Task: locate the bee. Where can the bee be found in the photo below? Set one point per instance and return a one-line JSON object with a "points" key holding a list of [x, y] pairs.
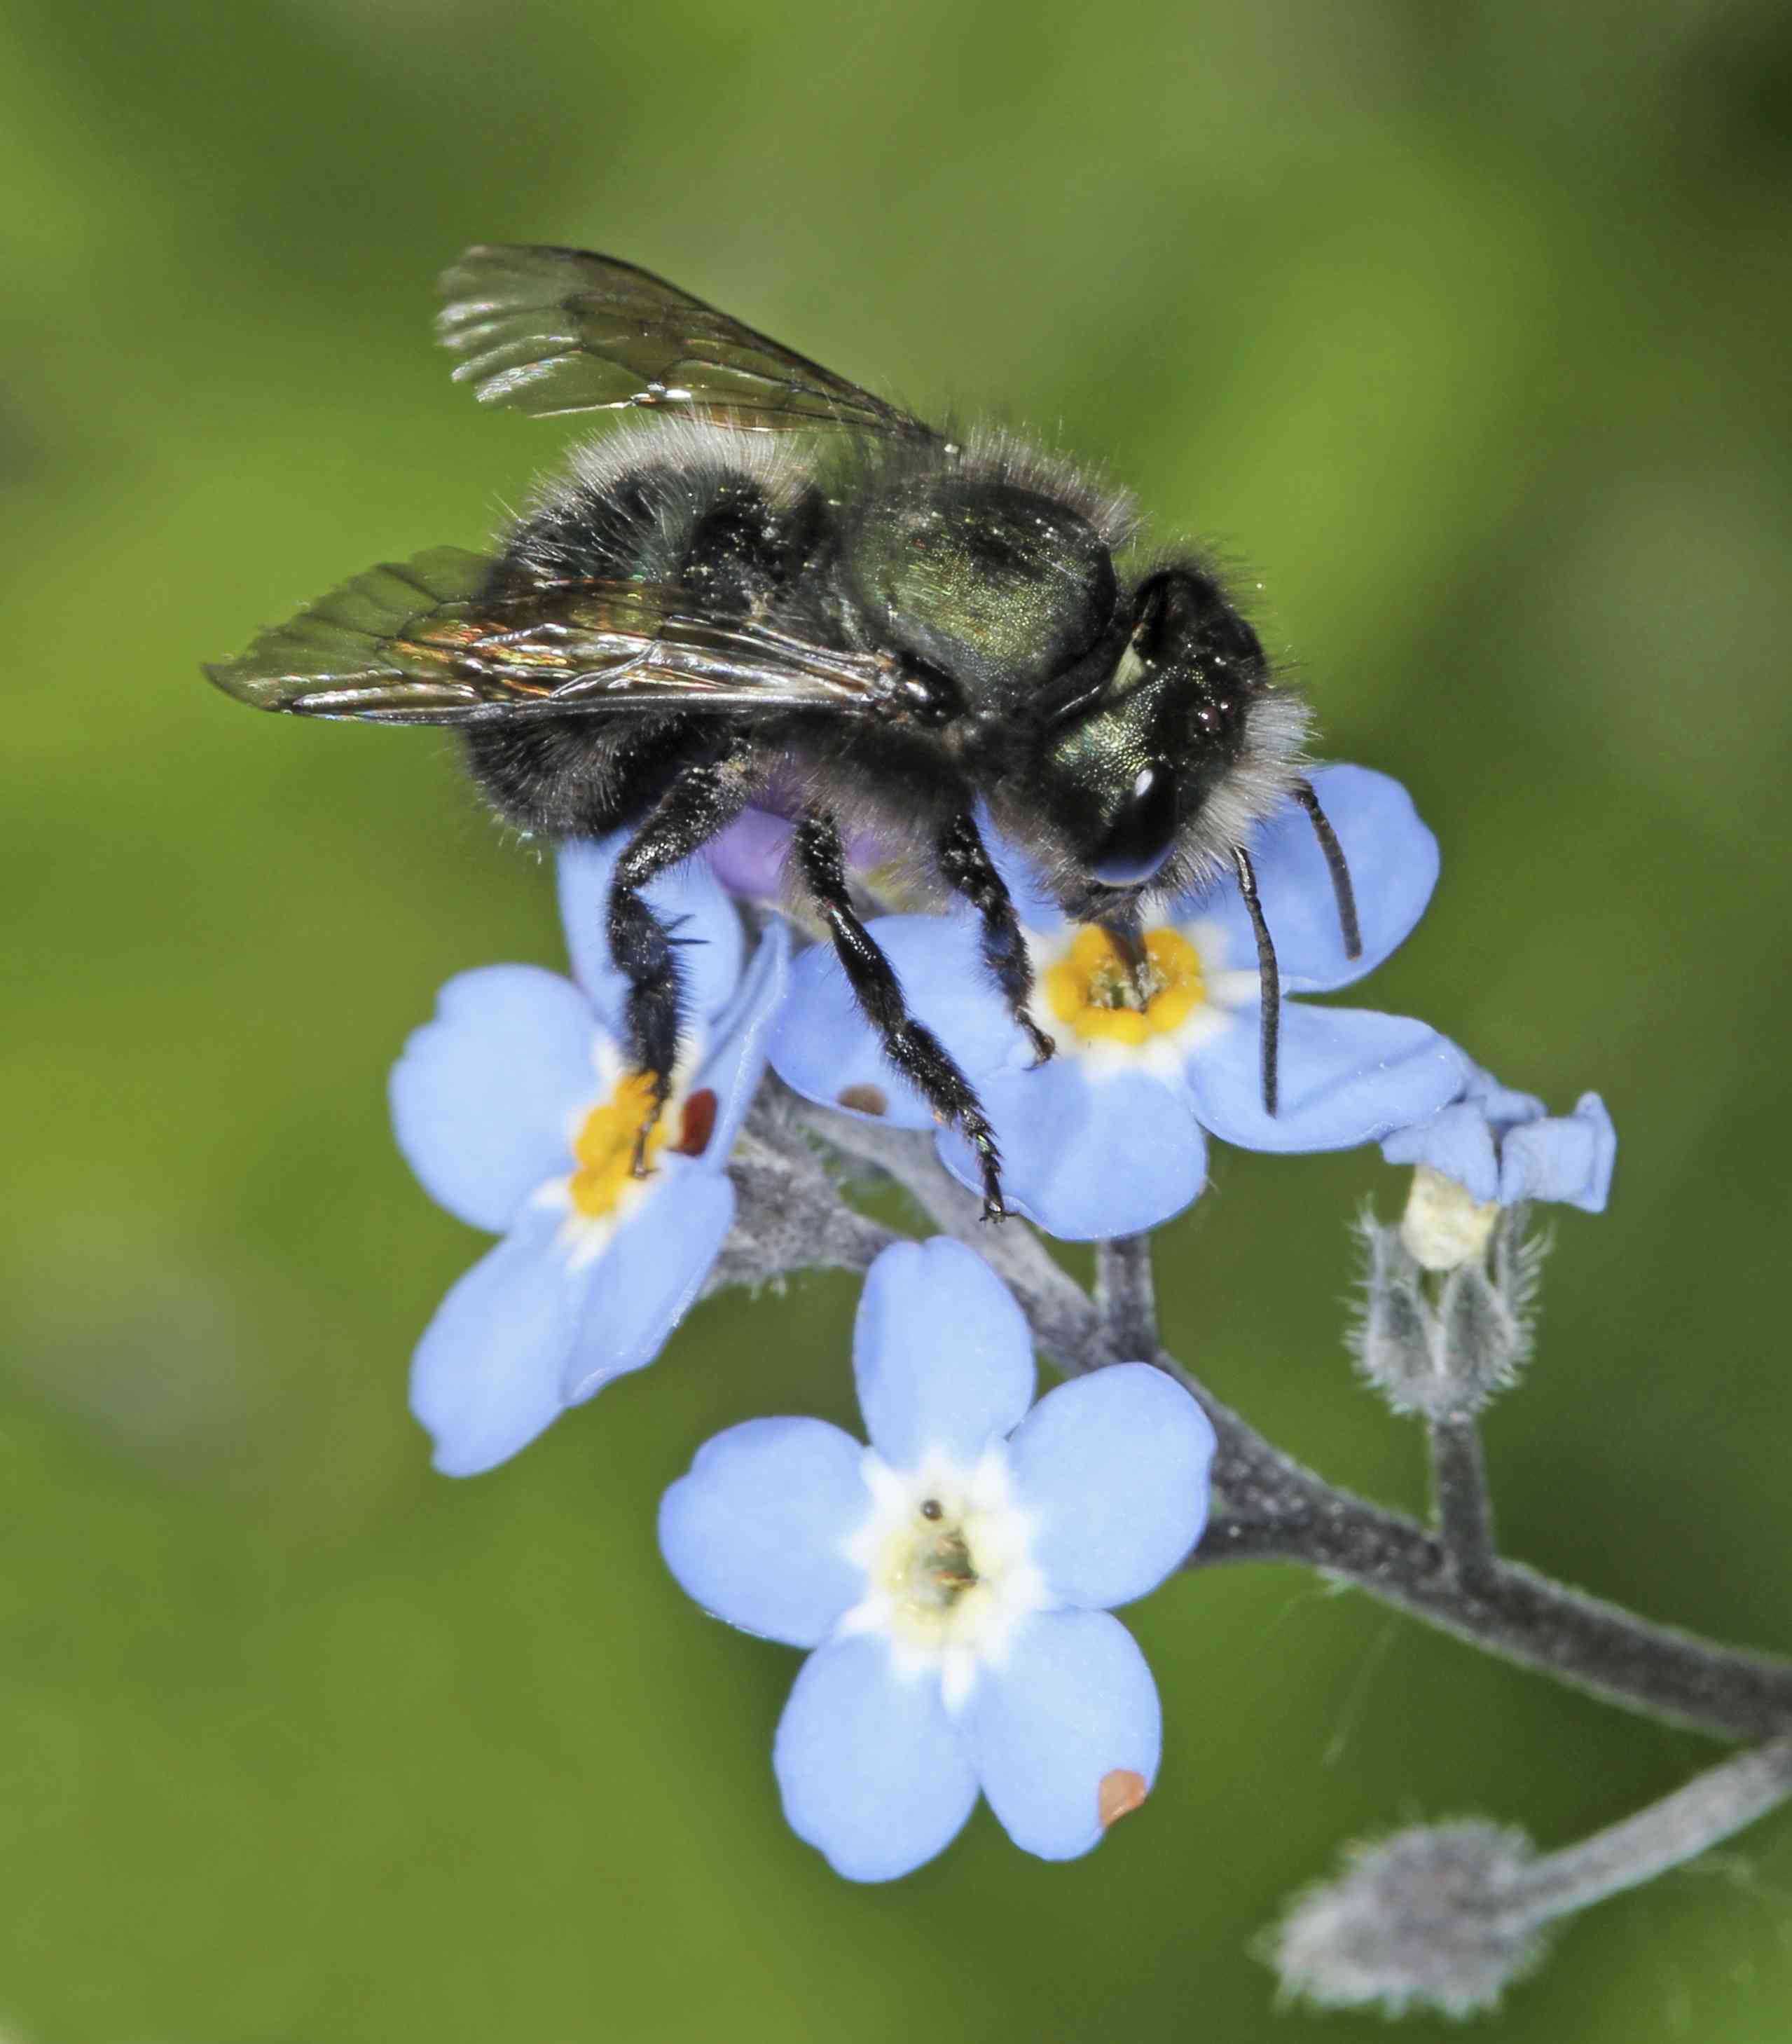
{"points": [[768, 584]]}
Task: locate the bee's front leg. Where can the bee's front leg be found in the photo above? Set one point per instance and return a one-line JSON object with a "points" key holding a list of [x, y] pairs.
{"points": [[701, 803]]}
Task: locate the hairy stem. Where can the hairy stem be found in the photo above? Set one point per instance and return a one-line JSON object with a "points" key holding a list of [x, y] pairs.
{"points": [[1712, 1807], [1459, 1503], [1126, 1296], [1056, 1303]]}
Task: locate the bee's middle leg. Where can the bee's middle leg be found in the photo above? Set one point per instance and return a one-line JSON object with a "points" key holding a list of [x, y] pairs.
{"points": [[966, 864], [701, 804], [911, 1045]]}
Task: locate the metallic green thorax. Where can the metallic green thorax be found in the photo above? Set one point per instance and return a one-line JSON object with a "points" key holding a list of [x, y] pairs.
{"points": [[990, 582]]}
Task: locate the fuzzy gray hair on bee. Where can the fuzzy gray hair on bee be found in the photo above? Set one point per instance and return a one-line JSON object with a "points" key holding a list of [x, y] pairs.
{"points": [[771, 583]]}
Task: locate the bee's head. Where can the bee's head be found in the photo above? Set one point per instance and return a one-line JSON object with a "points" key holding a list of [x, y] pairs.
{"points": [[1134, 762]]}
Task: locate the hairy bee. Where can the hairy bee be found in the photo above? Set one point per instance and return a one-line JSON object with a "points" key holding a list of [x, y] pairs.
{"points": [[772, 584]]}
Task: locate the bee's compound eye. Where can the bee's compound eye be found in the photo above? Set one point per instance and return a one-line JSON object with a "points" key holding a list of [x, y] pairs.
{"points": [[1139, 838]]}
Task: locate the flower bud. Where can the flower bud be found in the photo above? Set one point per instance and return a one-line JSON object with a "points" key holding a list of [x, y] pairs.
{"points": [[1438, 1343], [1426, 1919]]}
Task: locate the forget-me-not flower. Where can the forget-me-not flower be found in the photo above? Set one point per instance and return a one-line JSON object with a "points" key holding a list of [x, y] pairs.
{"points": [[516, 1110], [954, 1578], [1106, 1138]]}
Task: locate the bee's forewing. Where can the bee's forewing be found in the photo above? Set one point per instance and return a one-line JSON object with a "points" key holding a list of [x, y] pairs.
{"points": [[420, 642], [545, 330]]}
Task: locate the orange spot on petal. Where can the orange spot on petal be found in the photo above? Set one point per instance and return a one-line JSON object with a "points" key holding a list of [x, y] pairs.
{"points": [[1122, 1792], [866, 1099]]}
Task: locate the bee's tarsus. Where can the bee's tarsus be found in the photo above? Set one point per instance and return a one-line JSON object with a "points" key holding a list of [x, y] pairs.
{"points": [[1045, 1047]]}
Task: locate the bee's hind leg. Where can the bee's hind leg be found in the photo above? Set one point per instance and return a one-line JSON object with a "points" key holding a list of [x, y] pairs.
{"points": [[966, 865], [705, 798], [913, 1048]]}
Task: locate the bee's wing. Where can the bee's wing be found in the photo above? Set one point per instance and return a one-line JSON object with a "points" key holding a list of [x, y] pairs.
{"points": [[416, 642], [549, 330]]}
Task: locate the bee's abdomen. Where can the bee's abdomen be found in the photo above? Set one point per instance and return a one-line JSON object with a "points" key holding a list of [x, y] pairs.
{"points": [[734, 538]]}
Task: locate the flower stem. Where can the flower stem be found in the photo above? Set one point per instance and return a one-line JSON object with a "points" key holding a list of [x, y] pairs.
{"points": [[1126, 1296], [1712, 1807], [1056, 1303], [1460, 1505]]}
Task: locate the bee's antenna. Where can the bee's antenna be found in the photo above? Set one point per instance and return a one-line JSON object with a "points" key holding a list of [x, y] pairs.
{"points": [[1269, 978], [1346, 894]]}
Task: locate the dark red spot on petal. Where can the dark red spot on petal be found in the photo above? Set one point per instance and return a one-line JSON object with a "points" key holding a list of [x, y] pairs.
{"points": [[866, 1099], [697, 1124]]}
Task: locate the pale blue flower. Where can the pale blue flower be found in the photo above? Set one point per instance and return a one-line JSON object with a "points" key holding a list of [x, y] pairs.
{"points": [[954, 1578], [514, 1109]]}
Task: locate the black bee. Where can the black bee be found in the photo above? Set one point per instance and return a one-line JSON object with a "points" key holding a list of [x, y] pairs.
{"points": [[775, 585]]}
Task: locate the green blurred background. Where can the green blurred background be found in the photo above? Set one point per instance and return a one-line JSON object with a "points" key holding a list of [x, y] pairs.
{"points": [[1462, 328]]}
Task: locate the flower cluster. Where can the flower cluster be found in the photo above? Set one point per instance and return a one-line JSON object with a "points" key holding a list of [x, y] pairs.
{"points": [[953, 1580]]}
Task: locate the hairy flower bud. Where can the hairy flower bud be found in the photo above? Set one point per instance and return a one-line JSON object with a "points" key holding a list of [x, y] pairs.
{"points": [[1440, 1343], [1424, 1920]]}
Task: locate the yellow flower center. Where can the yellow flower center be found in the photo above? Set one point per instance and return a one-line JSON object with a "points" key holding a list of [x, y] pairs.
{"points": [[605, 1145], [1094, 989]]}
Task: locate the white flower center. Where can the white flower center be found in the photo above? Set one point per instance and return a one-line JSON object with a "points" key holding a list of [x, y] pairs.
{"points": [[948, 1561]]}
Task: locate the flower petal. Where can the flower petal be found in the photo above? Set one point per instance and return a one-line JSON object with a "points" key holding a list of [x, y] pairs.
{"points": [[1113, 1468], [1073, 1705], [756, 1532], [648, 1275], [872, 1772], [743, 1029], [689, 900], [1568, 1157], [484, 1097], [1456, 1141], [485, 1378], [1088, 1155], [1504, 1109], [1393, 862], [1347, 1075], [942, 1353], [824, 1046]]}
